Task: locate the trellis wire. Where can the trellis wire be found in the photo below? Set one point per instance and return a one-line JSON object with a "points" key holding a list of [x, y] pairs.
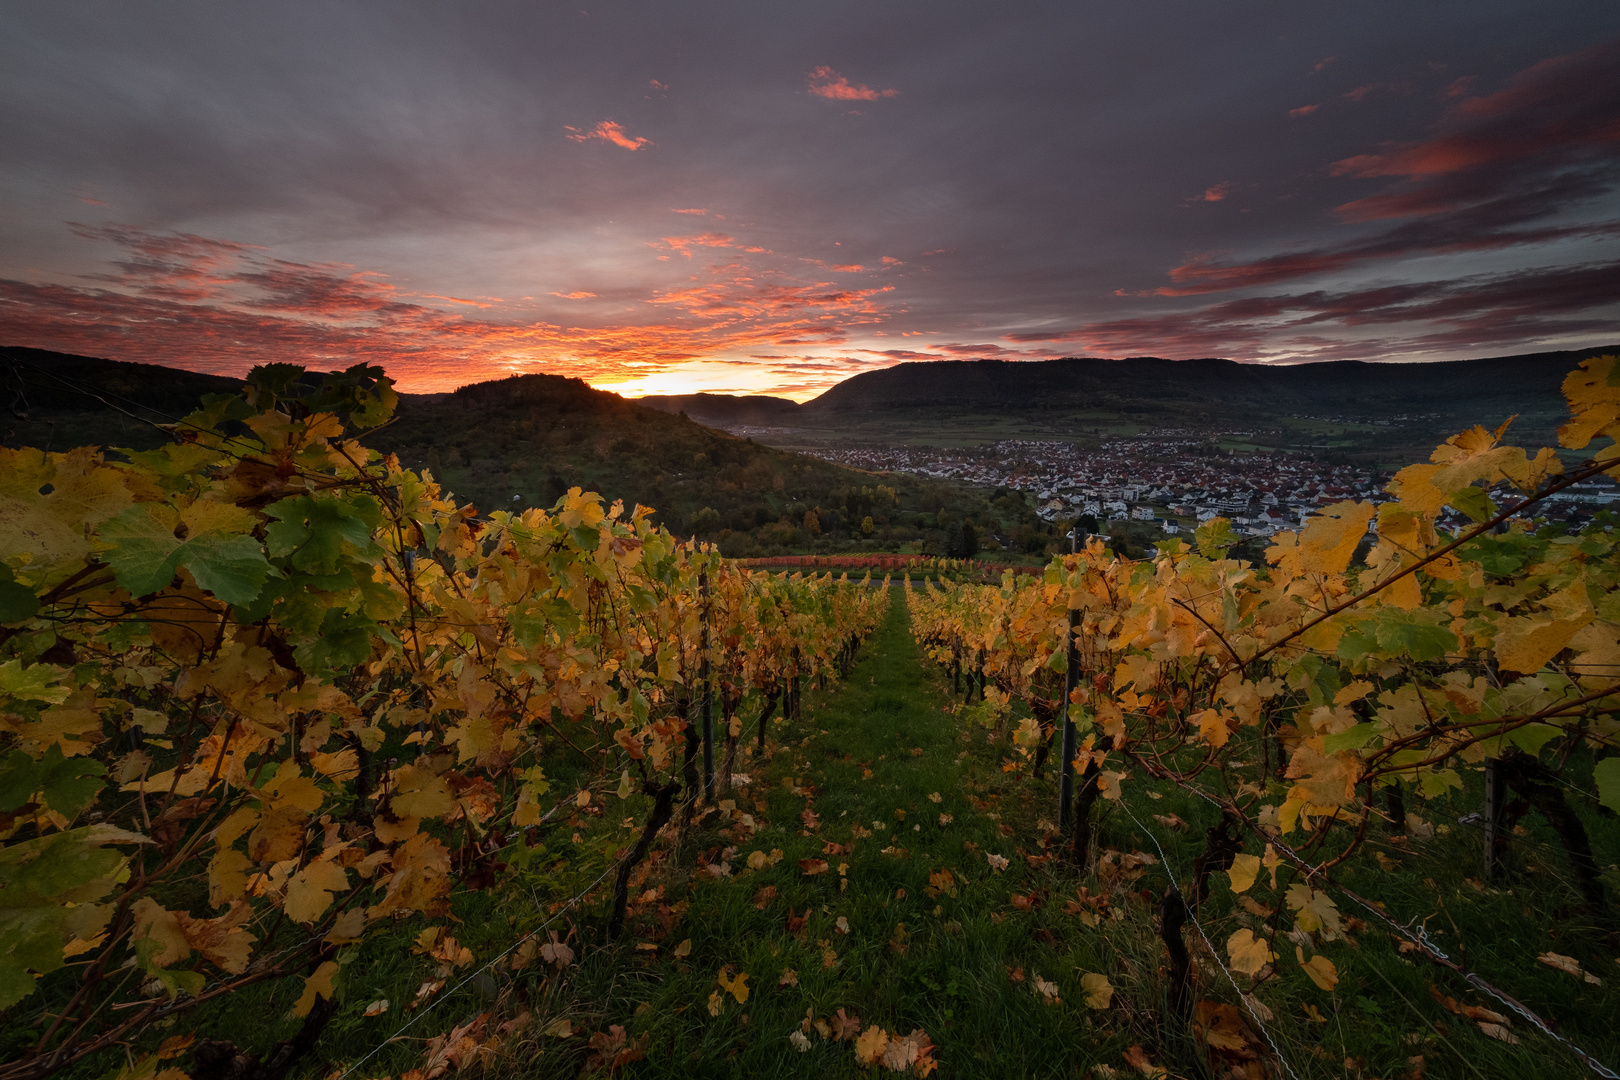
{"points": [[1200, 928], [486, 966], [1420, 937]]}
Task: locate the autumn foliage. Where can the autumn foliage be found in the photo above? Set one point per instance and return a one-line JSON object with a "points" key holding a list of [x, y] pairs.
{"points": [[1295, 696], [262, 691]]}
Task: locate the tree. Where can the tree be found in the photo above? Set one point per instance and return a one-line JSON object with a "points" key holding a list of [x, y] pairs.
{"points": [[970, 540], [706, 520]]}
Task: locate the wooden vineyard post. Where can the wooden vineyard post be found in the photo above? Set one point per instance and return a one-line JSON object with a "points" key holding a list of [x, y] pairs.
{"points": [[1066, 766], [708, 697], [1493, 814]]}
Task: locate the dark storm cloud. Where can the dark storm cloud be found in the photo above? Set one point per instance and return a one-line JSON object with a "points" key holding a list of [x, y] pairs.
{"points": [[468, 188]]}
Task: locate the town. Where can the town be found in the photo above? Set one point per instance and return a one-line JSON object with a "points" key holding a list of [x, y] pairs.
{"points": [[1175, 480]]}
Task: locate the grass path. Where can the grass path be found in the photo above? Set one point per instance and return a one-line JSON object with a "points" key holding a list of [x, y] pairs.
{"points": [[886, 773]]}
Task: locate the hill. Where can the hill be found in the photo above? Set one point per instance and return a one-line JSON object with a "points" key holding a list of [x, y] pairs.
{"points": [[1383, 410], [525, 440], [726, 410]]}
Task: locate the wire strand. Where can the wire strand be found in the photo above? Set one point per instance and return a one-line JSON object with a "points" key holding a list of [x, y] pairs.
{"points": [[1200, 928], [485, 967]]}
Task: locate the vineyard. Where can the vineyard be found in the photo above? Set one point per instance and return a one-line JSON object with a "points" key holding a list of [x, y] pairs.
{"points": [[310, 771]]}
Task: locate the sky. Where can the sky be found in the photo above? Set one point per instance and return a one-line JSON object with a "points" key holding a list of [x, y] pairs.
{"points": [[771, 197]]}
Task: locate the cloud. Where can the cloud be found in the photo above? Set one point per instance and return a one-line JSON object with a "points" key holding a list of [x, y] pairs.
{"points": [[1494, 172], [827, 83], [1487, 311], [609, 131], [220, 306], [1216, 193], [685, 244], [1302, 112]]}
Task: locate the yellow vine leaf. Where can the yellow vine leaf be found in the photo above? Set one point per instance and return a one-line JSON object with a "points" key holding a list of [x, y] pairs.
{"points": [[1212, 727], [1247, 953], [1244, 869], [160, 926], [1313, 910], [309, 891], [1326, 543], [317, 985], [227, 876], [1525, 644], [420, 793], [1593, 392], [55, 529], [1319, 968], [278, 836]]}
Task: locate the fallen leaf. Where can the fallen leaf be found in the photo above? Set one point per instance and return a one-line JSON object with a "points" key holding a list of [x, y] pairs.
{"points": [[1222, 1027], [1319, 968], [789, 978], [1048, 991], [997, 862], [1136, 1059], [813, 866], [842, 925], [735, 986], [377, 1008], [844, 1026], [763, 898], [1497, 1031], [1563, 963], [800, 1041], [1248, 953], [684, 949], [1099, 992], [870, 1046]]}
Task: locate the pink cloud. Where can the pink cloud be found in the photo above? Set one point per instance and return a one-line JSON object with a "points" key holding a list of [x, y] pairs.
{"points": [[219, 306], [609, 131], [1302, 111], [575, 295], [827, 83]]}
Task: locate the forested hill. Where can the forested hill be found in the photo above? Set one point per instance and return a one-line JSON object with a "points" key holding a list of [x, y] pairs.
{"points": [[726, 410], [523, 441]]}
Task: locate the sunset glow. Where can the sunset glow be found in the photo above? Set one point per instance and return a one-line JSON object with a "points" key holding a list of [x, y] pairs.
{"points": [[775, 218]]}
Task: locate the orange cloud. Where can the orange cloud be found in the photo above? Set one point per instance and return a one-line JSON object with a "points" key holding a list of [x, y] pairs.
{"points": [[1218, 192], [1302, 111], [685, 244], [218, 306], [608, 131], [827, 83], [575, 295]]}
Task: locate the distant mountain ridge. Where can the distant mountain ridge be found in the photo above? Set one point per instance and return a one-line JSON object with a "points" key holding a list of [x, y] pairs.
{"points": [[725, 410], [1158, 385]]}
